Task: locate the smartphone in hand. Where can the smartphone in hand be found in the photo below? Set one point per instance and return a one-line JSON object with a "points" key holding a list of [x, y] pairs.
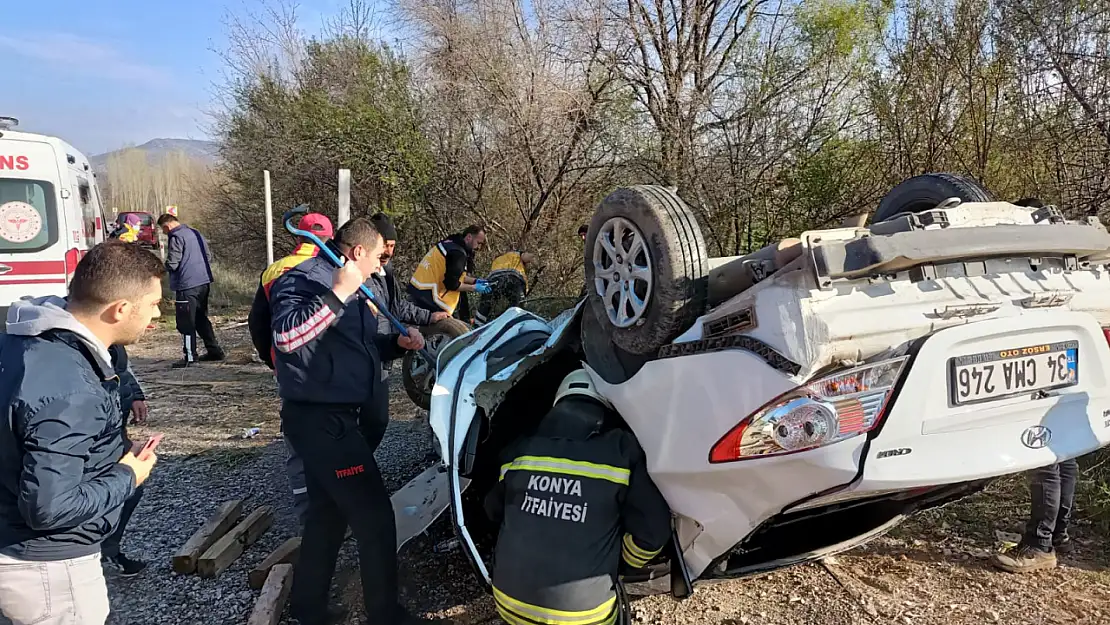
{"points": [[150, 445]]}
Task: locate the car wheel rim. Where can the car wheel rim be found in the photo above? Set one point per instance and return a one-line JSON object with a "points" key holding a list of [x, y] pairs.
{"points": [[420, 370], [622, 271]]}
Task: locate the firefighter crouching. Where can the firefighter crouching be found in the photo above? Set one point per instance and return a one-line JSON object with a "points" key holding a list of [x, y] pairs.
{"points": [[442, 276], [574, 500], [508, 281]]}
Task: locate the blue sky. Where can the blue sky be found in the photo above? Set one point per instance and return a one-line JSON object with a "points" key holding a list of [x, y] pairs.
{"points": [[105, 73]]}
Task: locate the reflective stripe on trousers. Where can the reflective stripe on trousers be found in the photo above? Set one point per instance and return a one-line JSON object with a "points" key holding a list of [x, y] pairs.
{"points": [[517, 612], [547, 464]]}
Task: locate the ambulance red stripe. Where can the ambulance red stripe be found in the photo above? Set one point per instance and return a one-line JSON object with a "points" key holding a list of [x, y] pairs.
{"points": [[32, 267]]}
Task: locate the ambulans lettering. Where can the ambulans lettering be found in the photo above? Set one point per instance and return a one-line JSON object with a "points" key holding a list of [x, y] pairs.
{"points": [[555, 484], [552, 509], [18, 163]]}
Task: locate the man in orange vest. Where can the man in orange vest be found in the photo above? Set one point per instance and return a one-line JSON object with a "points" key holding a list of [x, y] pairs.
{"points": [[262, 336]]}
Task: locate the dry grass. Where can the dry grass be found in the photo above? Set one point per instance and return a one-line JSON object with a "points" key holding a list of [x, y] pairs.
{"points": [[232, 292], [234, 287]]}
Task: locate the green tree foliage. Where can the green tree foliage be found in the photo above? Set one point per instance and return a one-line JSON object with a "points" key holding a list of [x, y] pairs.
{"points": [[769, 116], [348, 105]]}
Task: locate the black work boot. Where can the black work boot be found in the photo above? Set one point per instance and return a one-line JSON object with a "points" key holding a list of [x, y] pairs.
{"points": [[181, 364], [332, 615], [213, 354], [1062, 544], [122, 565]]}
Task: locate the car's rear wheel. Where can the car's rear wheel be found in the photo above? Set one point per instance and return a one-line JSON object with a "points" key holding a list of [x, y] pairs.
{"points": [[418, 375], [925, 192], [646, 267]]}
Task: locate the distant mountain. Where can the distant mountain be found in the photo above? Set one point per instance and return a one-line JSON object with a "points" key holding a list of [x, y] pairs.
{"points": [[158, 148]]}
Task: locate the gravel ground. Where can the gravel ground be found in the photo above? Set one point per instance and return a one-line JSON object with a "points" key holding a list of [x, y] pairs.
{"points": [[932, 570]]}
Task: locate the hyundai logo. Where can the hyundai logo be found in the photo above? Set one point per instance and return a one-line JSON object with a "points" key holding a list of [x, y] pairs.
{"points": [[1036, 437]]}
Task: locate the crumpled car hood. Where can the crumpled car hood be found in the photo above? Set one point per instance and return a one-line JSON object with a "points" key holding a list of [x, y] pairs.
{"points": [[462, 384]]}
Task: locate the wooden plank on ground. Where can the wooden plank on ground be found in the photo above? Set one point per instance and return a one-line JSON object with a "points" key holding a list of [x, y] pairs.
{"points": [[225, 517], [420, 502], [267, 610], [285, 554], [220, 555]]}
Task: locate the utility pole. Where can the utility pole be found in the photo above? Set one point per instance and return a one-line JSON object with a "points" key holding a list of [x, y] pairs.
{"points": [[269, 220], [344, 196]]}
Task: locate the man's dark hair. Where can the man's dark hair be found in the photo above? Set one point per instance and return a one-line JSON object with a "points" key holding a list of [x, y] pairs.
{"points": [[473, 229], [358, 231], [166, 218], [1031, 202], [112, 271], [583, 229]]}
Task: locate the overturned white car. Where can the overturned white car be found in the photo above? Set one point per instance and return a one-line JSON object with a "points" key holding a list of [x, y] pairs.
{"points": [[806, 398]]}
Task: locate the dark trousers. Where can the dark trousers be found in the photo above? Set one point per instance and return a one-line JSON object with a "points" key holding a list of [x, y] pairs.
{"points": [[1052, 491], [192, 320], [110, 547], [345, 488]]}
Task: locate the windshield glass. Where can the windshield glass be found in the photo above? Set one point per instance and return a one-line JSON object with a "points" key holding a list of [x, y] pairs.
{"points": [[27, 215]]}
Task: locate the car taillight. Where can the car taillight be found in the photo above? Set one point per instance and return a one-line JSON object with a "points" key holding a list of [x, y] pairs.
{"points": [[1106, 333], [825, 410]]}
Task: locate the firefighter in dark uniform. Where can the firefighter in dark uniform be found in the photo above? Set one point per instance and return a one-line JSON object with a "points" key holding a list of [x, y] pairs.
{"points": [[574, 501], [445, 274], [508, 281], [327, 356]]}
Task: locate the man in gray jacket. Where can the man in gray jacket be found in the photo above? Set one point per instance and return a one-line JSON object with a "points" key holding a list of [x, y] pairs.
{"points": [[190, 269]]}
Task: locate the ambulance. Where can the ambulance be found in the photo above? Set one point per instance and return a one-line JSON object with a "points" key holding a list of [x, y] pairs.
{"points": [[50, 213]]}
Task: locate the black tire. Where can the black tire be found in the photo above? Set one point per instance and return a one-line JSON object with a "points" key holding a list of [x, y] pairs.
{"points": [[678, 263], [612, 363], [441, 333], [924, 192]]}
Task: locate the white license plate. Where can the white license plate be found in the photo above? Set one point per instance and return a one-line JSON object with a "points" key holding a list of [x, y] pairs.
{"points": [[994, 375]]}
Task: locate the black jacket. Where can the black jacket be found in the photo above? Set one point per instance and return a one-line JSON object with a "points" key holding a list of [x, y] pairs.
{"points": [[326, 351], [130, 391], [61, 486], [572, 504], [259, 322], [384, 286]]}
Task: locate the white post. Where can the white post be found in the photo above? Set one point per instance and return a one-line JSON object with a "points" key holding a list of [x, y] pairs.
{"points": [[269, 220], [344, 196]]}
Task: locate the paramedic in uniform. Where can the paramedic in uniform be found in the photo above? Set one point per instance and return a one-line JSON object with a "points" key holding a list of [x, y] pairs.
{"points": [[328, 354], [259, 322], [574, 501], [439, 279], [508, 281]]}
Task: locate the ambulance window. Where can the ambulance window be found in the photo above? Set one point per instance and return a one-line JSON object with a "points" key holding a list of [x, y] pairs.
{"points": [[27, 215], [88, 211]]}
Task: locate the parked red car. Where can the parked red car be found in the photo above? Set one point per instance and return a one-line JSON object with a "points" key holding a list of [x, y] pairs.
{"points": [[148, 234]]}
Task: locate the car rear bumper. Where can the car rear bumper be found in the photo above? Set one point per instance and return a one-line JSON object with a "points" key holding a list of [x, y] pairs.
{"points": [[926, 440]]}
